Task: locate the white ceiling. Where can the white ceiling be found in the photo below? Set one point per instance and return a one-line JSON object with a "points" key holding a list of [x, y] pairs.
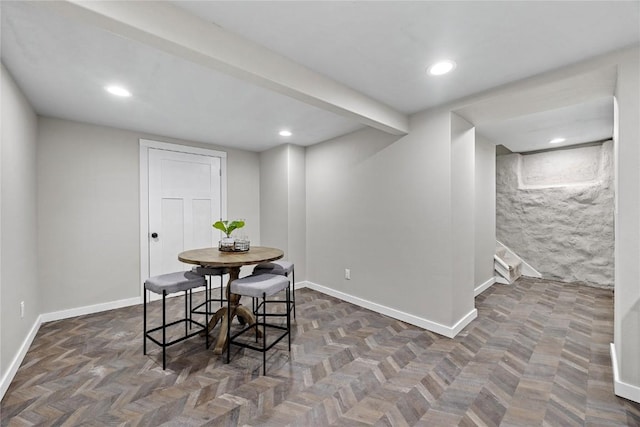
{"points": [[380, 49], [579, 123]]}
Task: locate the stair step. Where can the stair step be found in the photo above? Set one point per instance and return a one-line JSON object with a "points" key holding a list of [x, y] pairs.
{"points": [[507, 266], [501, 270], [514, 263], [509, 277]]}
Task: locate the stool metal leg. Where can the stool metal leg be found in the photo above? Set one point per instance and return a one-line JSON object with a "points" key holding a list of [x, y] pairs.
{"points": [[187, 312], [293, 285], [144, 323], [164, 330], [257, 321], [289, 315], [206, 322], [264, 334]]}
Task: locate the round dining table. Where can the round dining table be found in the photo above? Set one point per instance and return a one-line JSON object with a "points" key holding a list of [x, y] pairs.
{"points": [[213, 257]]}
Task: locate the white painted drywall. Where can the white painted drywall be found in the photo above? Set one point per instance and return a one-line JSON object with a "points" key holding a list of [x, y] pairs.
{"points": [[88, 213], [297, 251], [555, 210], [88, 202], [18, 232], [485, 209], [380, 206], [627, 232], [243, 189], [274, 198], [463, 204], [282, 203]]}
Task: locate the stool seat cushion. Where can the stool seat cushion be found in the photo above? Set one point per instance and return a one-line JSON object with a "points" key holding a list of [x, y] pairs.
{"points": [[210, 271], [274, 267], [174, 282], [257, 286]]}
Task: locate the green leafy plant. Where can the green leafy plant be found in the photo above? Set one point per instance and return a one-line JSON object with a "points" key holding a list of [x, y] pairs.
{"points": [[228, 226]]}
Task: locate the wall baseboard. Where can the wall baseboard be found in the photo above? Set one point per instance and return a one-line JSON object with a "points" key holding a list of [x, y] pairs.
{"points": [[447, 331], [483, 287], [89, 309], [620, 388], [17, 360]]}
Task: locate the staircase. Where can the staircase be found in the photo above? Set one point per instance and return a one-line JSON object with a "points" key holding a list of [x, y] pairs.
{"points": [[507, 266]]}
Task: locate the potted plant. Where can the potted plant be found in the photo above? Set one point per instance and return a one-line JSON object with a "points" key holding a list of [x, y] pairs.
{"points": [[227, 227]]}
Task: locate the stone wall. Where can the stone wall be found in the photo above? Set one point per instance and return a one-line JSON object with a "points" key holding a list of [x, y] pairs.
{"points": [[555, 210]]}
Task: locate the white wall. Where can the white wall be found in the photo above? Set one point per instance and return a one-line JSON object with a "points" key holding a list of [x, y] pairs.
{"points": [[274, 198], [485, 210], [463, 204], [627, 238], [18, 232], [297, 211], [380, 206], [243, 189], [282, 203], [88, 216]]}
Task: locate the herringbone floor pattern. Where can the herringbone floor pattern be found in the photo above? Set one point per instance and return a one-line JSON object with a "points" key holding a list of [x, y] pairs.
{"points": [[537, 355]]}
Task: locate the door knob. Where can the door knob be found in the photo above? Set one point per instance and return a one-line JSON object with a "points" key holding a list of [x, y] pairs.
{"points": [[154, 235]]}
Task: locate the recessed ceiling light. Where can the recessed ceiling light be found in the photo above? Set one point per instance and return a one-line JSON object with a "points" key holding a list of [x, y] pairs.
{"points": [[442, 67], [557, 140], [285, 133], [118, 91]]}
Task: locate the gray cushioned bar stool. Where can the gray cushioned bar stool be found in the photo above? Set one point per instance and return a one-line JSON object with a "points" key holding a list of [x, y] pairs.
{"points": [[260, 286], [282, 268], [210, 272], [164, 285]]}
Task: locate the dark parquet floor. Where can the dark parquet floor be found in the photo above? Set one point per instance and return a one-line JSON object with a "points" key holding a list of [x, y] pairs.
{"points": [[537, 355]]}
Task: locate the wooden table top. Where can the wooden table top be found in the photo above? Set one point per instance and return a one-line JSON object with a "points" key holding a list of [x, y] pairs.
{"points": [[212, 257]]}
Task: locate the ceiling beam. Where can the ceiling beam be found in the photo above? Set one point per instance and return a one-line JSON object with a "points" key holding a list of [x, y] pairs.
{"points": [[549, 91], [177, 32]]}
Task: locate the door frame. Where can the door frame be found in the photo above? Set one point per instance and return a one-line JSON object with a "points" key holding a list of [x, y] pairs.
{"points": [[145, 146]]}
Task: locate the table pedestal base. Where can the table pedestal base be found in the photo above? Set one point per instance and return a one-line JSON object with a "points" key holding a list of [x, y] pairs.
{"points": [[236, 310]]}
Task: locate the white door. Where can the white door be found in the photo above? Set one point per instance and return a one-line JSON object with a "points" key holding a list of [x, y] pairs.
{"points": [[184, 200]]}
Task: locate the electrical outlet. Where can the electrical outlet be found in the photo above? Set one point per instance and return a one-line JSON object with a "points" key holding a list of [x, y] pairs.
{"points": [[21, 309], [347, 274]]}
